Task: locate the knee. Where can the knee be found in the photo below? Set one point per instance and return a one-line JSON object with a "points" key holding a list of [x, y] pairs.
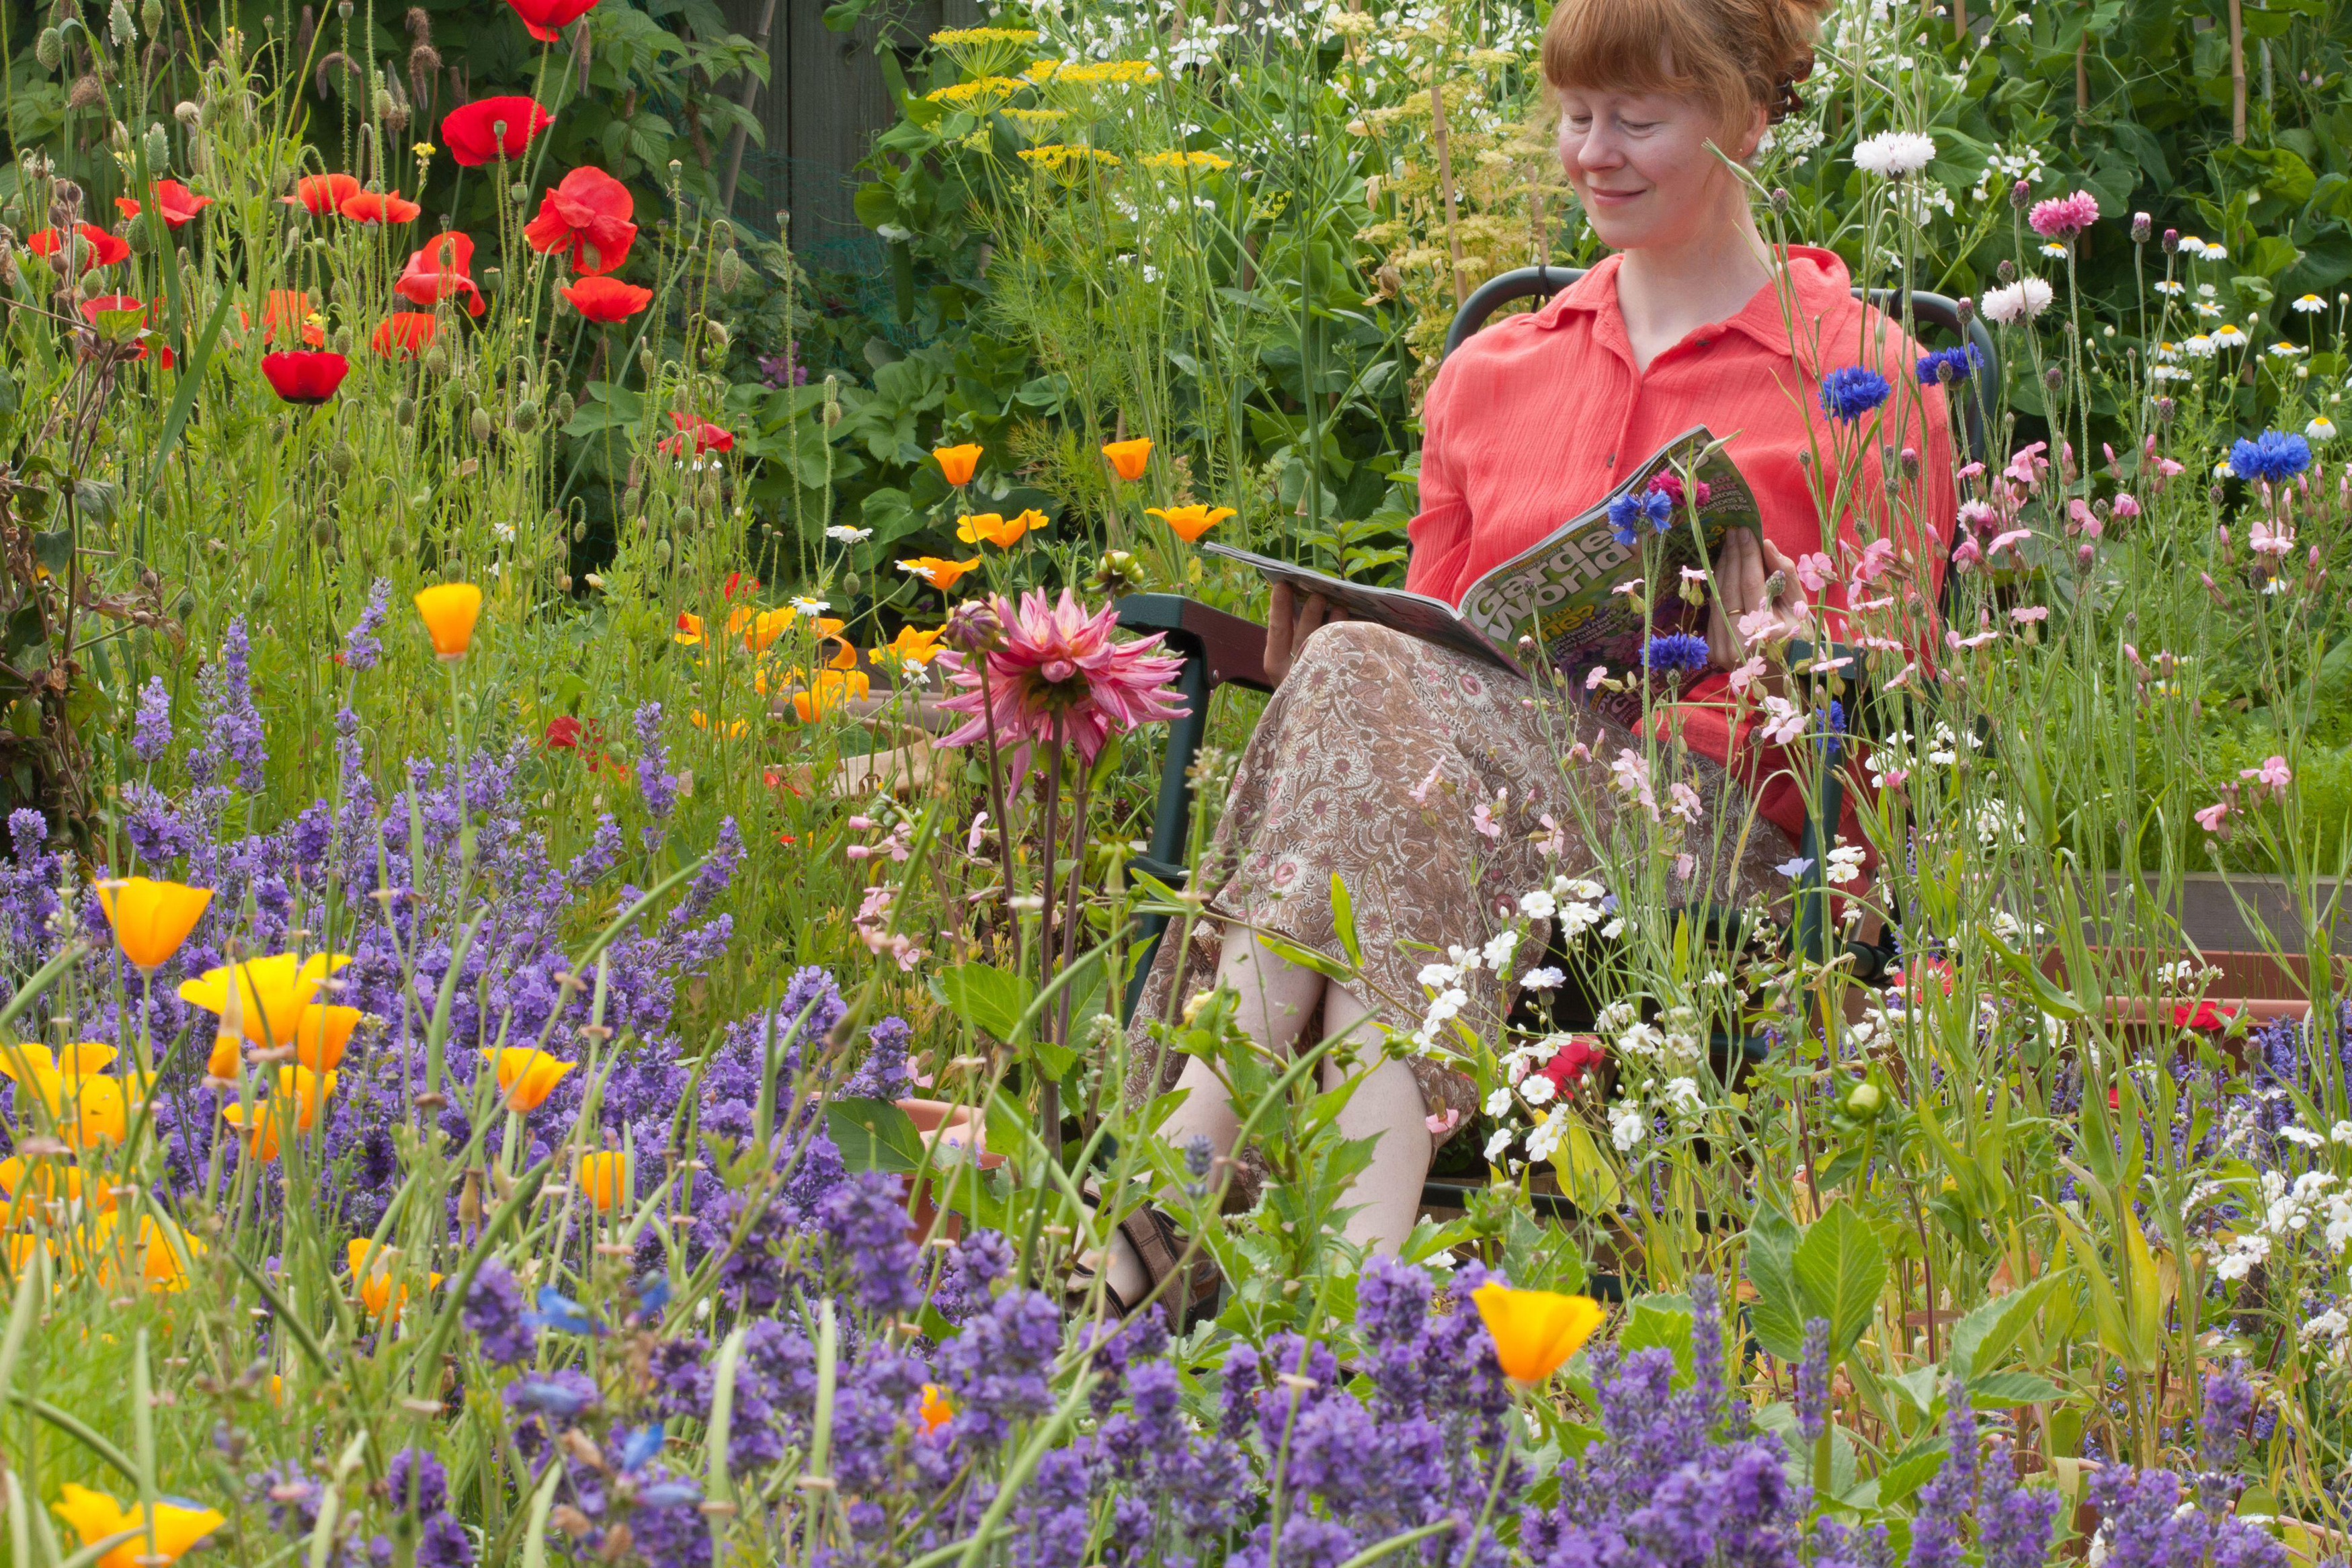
{"points": [[1353, 643]]}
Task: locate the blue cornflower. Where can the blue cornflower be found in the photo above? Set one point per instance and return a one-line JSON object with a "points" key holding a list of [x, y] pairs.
{"points": [[1627, 513], [1831, 737], [1849, 392], [2274, 455], [1953, 365], [1674, 654]]}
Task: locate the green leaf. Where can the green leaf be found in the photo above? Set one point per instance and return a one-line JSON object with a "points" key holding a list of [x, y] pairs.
{"points": [[874, 1136], [1343, 921], [1305, 957], [54, 551], [1986, 1335], [992, 999], [1660, 1322], [2002, 1390], [1841, 1269], [1907, 1474], [1776, 1317]]}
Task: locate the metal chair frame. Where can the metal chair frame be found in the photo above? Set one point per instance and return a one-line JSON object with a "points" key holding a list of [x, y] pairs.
{"points": [[1220, 649]]}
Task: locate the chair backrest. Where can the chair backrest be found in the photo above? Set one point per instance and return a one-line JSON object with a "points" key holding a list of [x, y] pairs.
{"points": [[1925, 310]]}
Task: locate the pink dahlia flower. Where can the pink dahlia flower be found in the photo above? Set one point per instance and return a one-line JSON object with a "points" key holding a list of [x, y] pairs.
{"points": [[1059, 663], [2063, 217]]}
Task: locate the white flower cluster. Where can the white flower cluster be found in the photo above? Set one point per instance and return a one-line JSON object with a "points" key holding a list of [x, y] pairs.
{"points": [[1998, 823], [2004, 168], [2290, 1210], [1574, 903]]}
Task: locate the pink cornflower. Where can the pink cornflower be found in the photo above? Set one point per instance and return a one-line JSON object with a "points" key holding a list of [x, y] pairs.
{"points": [[2063, 217], [1057, 674]]}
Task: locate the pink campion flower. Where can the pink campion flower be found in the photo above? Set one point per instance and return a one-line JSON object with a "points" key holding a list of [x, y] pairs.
{"points": [[1594, 676], [2264, 540], [1419, 793], [2212, 816], [1439, 1125], [1484, 820], [1552, 842], [2003, 541], [2272, 775], [1972, 470], [2025, 612], [1683, 803], [1058, 666], [1816, 571], [1966, 555], [2125, 505], [1747, 674], [2026, 464], [1955, 641], [2063, 217], [1784, 721], [1878, 558]]}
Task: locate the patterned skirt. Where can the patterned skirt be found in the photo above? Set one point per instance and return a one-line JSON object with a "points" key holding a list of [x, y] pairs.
{"points": [[1439, 790]]}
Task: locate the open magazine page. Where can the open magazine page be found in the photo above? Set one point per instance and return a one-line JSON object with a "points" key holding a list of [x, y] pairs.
{"points": [[1414, 614], [1567, 592]]}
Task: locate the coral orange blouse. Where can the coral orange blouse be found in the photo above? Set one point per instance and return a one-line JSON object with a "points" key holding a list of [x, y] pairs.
{"points": [[1539, 415]]}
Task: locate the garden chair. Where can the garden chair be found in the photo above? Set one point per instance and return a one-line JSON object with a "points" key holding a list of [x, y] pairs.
{"points": [[1221, 649]]}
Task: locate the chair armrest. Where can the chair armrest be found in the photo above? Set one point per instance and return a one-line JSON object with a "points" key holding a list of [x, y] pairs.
{"points": [[1233, 648]]}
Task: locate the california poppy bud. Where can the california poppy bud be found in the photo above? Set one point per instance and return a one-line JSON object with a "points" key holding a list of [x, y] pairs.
{"points": [[479, 424], [49, 48]]}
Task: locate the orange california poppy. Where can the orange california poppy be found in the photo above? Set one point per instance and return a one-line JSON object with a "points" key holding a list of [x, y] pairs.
{"points": [[828, 691], [1190, 522], [1128, 457], [940, 573], [958, 462]]}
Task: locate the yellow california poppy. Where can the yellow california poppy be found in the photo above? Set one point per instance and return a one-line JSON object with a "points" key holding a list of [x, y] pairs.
{"points": [[272, 994], [1128, 457], [527, 1077], [373, 1269], [175, 1526], [828, 691], [911, 649], [940, 573], [151, 919], [323, 1033], [261, 1128], [1535, 1331], [450, 610], [1190, 522], [604, 1178]]}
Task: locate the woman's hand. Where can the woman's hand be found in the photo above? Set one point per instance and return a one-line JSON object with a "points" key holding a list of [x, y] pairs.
{"points": [[1757, 599], [1289, 621]]}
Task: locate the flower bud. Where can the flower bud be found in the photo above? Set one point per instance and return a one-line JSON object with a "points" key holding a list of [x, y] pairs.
{"points": [[632, 499], [2053, 377], [343, 459], [480, 424], [49, 48], [730, 270], [972, 627], [580, 531], [87, 92], [437, 361], [2020, 195], [2006, 271], [404, 412], [119, 27], [1865, 1100], [2142, 226], [2171, 241], [1965, 310], [523, 418], [850, 581], [646, 364], [188, 114], [564, 408], [1781, 201], [141, 238]]}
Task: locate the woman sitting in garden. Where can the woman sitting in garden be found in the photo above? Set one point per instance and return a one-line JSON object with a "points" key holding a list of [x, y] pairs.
{"points": [[1376, 747]]}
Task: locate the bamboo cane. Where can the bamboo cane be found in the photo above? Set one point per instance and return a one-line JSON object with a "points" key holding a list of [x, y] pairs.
{"points": [[2237, 72], [1445, 182]]}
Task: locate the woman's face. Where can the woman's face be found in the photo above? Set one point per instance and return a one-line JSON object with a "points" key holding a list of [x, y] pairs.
{"points": [[1641, 164]]}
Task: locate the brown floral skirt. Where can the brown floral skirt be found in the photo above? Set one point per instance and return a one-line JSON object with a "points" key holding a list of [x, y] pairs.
{"points": [[1440, 791]]}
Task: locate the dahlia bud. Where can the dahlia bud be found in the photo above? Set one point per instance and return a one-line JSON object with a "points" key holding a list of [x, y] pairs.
{"points": [[49, 48], [974, 627], [1117, 573], [2171, 241], [2020, 195], [2142, 226]]}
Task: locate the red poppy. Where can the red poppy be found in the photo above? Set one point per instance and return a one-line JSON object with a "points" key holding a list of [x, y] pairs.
{"points": [[305, 377], [738, 584], [442, 271], [322, 194], [105, 304], [290, 308], [546, 19], [2204, 1016], [379, 207], [105, 249], [471, 133], [1568, 1062], [564, 734], [174, 201], [404, 335], [607, 298], [588, 214], [707, 437]]}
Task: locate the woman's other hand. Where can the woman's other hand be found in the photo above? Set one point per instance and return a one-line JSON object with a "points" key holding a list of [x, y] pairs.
{"points": [[1291, 619], [1757, 599]]}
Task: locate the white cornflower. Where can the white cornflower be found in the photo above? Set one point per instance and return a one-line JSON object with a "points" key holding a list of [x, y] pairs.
{"points": [[1892, 154], [2018, 301]]}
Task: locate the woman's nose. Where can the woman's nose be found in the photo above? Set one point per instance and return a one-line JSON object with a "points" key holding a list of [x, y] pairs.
{"points": [[1596, 149]]}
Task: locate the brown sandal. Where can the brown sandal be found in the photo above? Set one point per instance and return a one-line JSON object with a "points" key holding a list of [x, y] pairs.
{"points": [[1164, 1252]]}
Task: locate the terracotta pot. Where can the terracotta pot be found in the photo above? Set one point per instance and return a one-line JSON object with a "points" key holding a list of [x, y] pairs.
{"points": [[942, 1125]]}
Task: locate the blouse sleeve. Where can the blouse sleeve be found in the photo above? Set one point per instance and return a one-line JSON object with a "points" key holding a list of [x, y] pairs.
{"points": [[1440, 532]]}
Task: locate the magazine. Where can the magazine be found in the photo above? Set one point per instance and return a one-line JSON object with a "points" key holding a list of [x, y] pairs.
{"points": [[1569, 592]]}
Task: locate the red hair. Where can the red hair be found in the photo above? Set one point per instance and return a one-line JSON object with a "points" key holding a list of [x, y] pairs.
{"points": [[1731, 54]]}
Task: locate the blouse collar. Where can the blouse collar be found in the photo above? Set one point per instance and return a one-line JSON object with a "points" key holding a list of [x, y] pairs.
{"points": [[1818, 278]]}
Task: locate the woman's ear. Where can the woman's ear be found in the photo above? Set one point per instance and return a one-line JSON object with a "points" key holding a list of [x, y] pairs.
{"points": [[1759, 120]]}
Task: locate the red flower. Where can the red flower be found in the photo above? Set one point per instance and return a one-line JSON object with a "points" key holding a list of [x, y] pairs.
{"points": [[92, 310], [1568, 1062], [738, 584], [290, 308], [2204, 1016], [105, 249], [607, 298], [174, 201], [322, 194], [564, 734], [305, 378], [546, 19], [707, 437], [379, 207], [588, 214], [442, 271], [471, 133], [404, 335]]}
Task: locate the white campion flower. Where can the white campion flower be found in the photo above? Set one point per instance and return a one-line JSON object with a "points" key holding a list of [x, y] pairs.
{"points": [[1626, 1126], [1437, 977], [1549, 977], [2020, 301], [1498, 1146], [2238, 1259], [2341, 1132], [1537, 1090], [1893, 154], [1641, 1040], [1539, 904], [1682, 1093], [1544, 1141], [1498, 1103], [1500, 948], [1616, 1016]]}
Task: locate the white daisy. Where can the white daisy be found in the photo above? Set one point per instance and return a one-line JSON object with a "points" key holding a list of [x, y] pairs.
{"points": [[2309, 304], [2321, 428]]}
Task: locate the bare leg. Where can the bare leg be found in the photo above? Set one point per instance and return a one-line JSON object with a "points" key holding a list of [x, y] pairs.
{"points": [[1387, 1106]]}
